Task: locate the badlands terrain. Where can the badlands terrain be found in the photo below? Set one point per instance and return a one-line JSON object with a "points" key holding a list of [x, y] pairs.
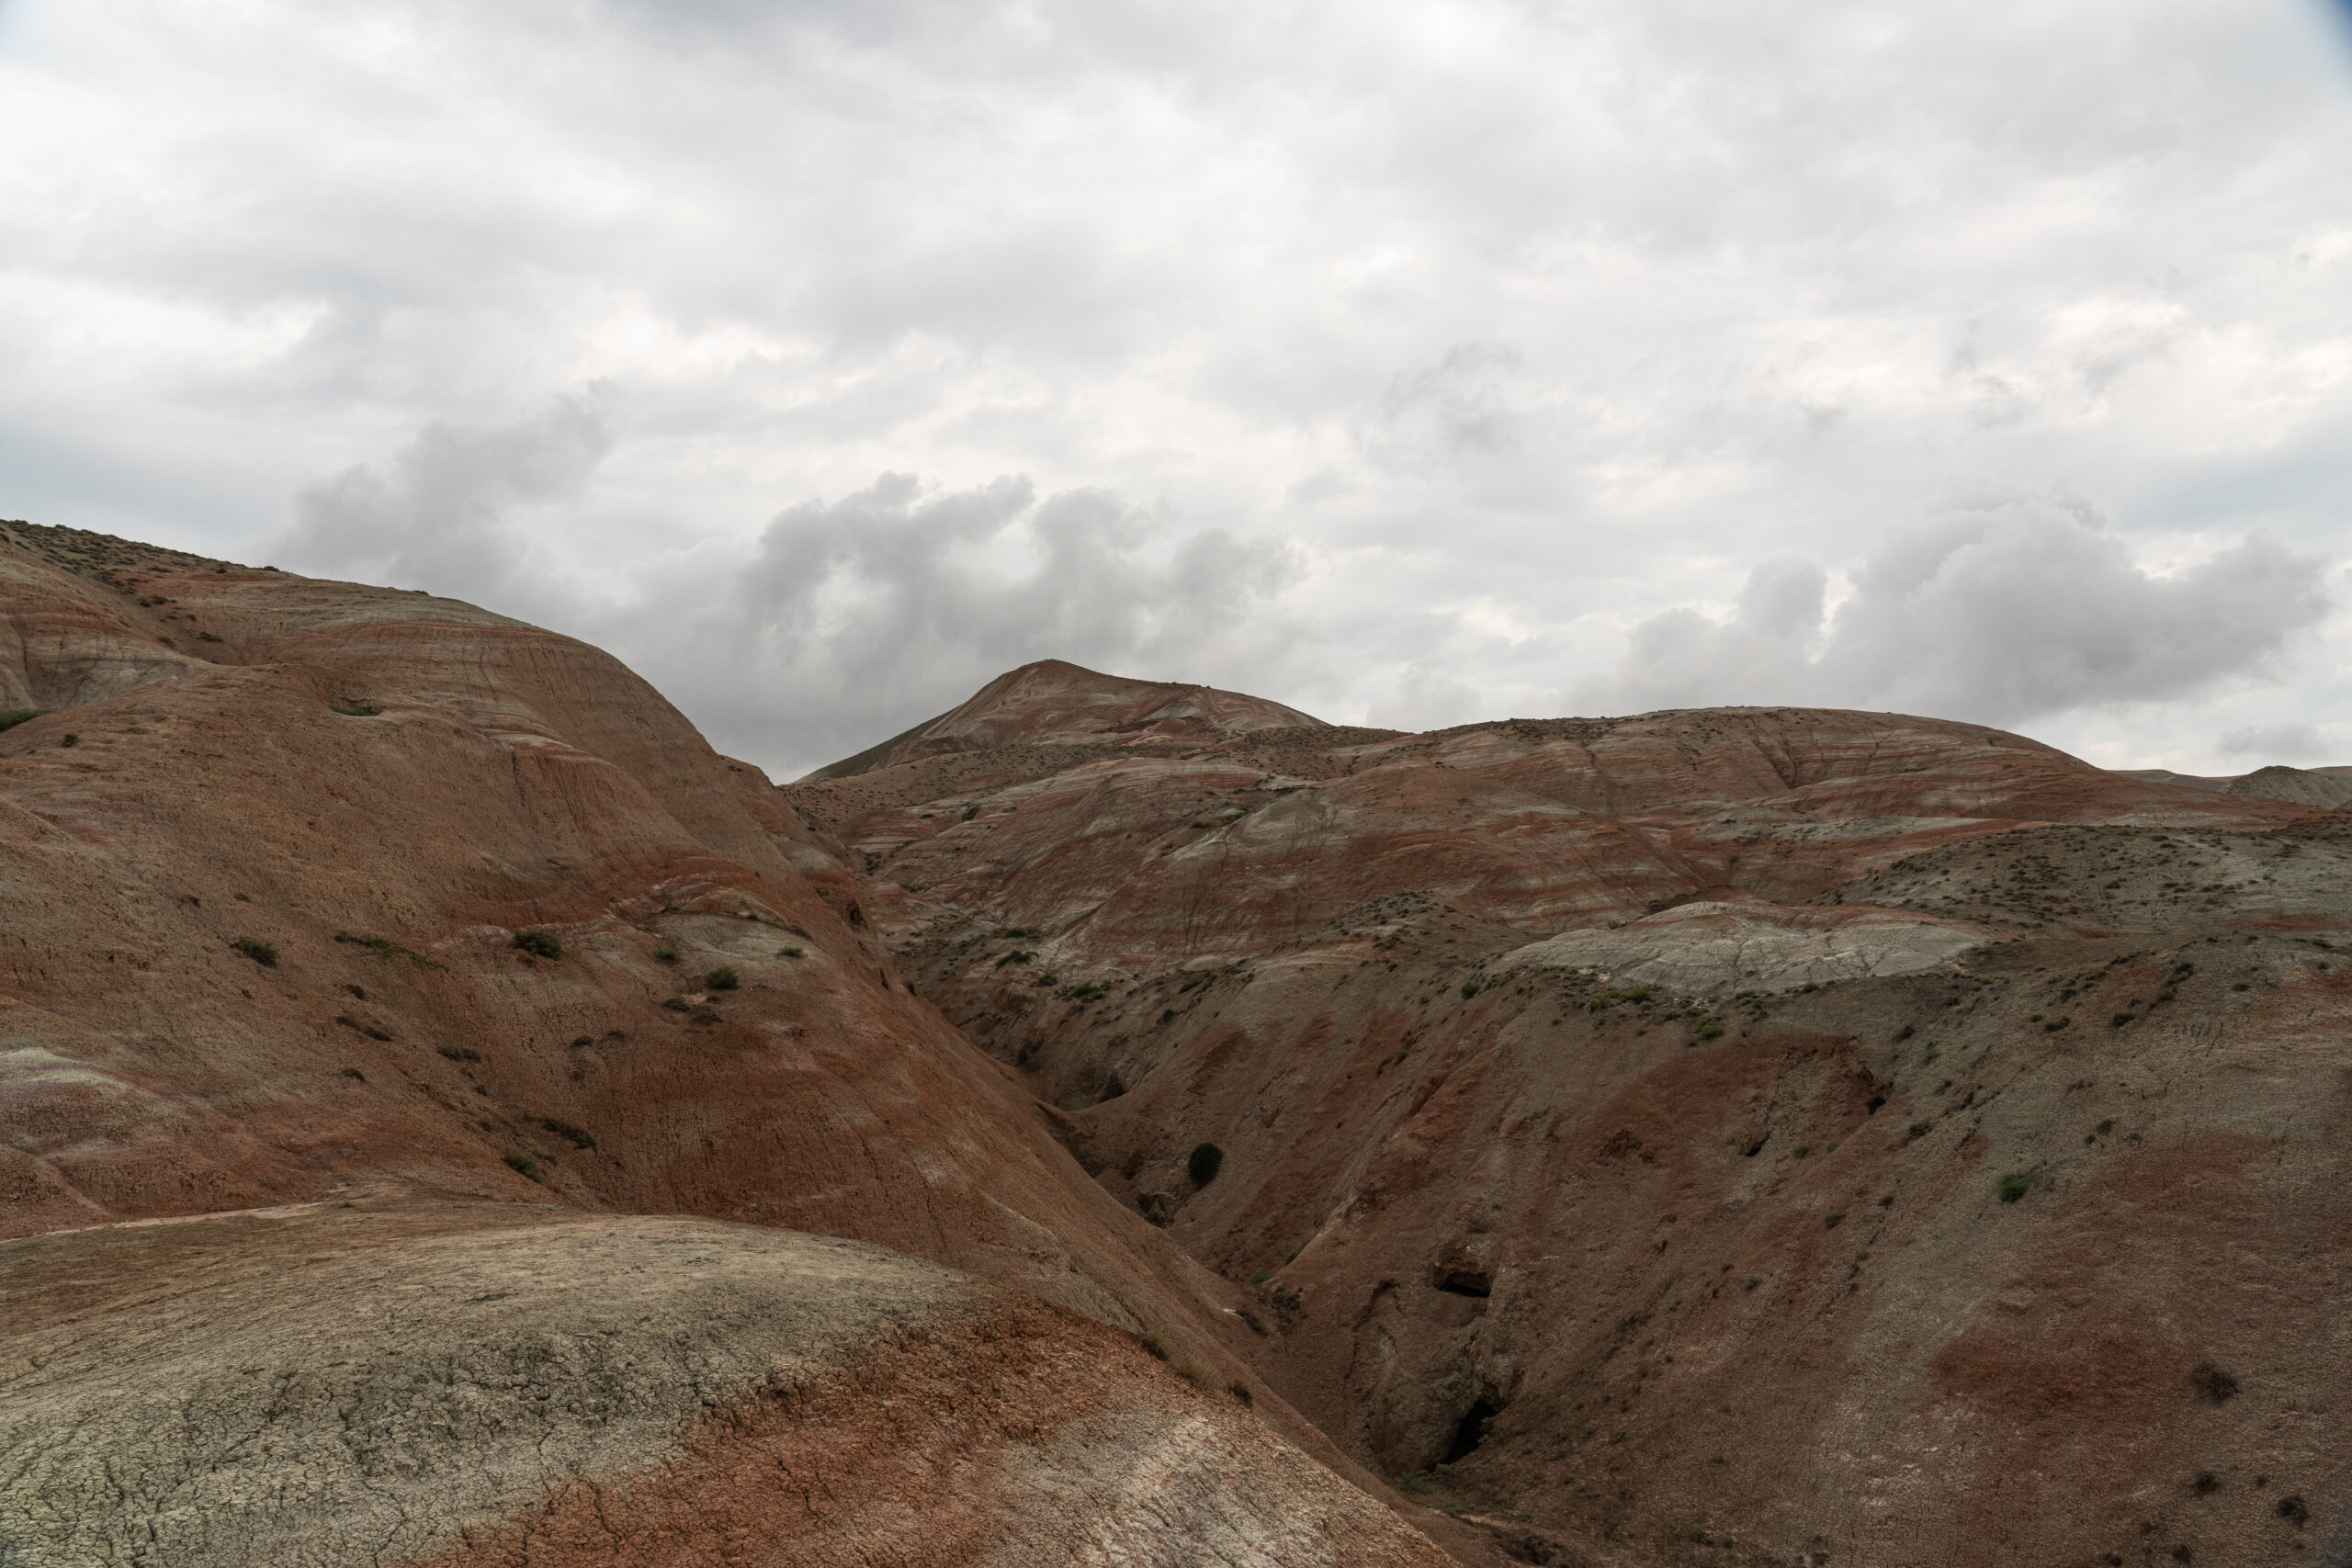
{"points": [[455, 1116]]}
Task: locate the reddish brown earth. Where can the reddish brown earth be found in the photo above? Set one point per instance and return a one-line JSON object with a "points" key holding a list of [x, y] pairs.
{"points": [[1616, 1114], [373, 793]]}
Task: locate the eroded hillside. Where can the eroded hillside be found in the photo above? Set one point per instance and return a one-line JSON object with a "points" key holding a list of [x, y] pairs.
{"points": [[1729, 1136], [334, 900]]}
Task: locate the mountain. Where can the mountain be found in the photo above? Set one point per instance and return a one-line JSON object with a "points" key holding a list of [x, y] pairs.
{"points": [[362, 948], [1799, 1135], [449, 1114]]}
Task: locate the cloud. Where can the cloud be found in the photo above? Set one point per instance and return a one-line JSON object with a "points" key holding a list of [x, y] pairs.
{"points": [[2279, 743], [443, 514], [851, 619], [2000, 606], [1424, 699], [844, 621]]}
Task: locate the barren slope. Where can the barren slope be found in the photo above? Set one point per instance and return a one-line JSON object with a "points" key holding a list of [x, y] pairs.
{"points": [[1616, 1114], [262, 876], [394, 1381]]}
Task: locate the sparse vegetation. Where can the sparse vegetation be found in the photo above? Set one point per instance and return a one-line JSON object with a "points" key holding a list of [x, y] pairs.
{"points": [[1204, 1163], [1261, 1276], [539, 943], [1155, 1344], [385, 948], [2214, 1383], [348, 710], [1205, 1378], [1710, 1029], [969, 812], [2014, 1186], [1801, 1151], [1469, 990], [15, 716], [665, 955], [1917, 1130], [1016, 956], [722, 978], [262, 953], [1830, 1220], [1414, 1481], [523, 1164]]}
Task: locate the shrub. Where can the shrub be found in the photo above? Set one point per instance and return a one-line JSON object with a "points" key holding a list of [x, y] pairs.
{"points": [[722, 979], [1261, 1276], [665, 955], [262, 953], [1711, 1029], [349, 710], [2014, 1186], [523, 1164], [1415, 1483], [385, 948], [1830, 1220], [539, 943], [1241, 1392], [1801, 1150], [969, 812], [1203, 1166], [1469, 990], [2294, 1510], [1918, 1129], [1204, 1377], [460, 1053], [2214, 1383], [15, 716], [1016, 956], [1155, 1344]]}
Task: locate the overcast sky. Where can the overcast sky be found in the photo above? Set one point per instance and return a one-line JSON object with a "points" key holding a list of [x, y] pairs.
{"points": [[1410, 363]]}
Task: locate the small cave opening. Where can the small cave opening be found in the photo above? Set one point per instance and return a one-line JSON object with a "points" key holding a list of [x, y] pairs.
{"points": [[1472, 1431], [1473, 1282]]}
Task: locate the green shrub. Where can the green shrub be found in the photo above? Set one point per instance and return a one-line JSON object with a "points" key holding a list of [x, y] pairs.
{"points": [[665, 955], [1155, 1344], [2014, 1186], [722, 979], [1205, 1378], [1469, 990], [1414, 1481], [1830, 1220], [1918, 1129], [1016, 956], [1711, 1029], [1203, 1166], [353, 710], [539, 943], [969, 812], [1261, 1276], [523, 1164], [262, 953], [15, 716], [1801, 1150]]}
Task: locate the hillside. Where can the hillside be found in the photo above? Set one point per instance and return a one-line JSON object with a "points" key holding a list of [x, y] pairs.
{"points": [[319, 894], [1739, 1135]]}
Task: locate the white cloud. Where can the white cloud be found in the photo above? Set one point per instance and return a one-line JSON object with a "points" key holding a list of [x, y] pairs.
{"points": [[2267, 743], [1561, 310], [844, 621], [1999, 606], [1425, 699]]}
